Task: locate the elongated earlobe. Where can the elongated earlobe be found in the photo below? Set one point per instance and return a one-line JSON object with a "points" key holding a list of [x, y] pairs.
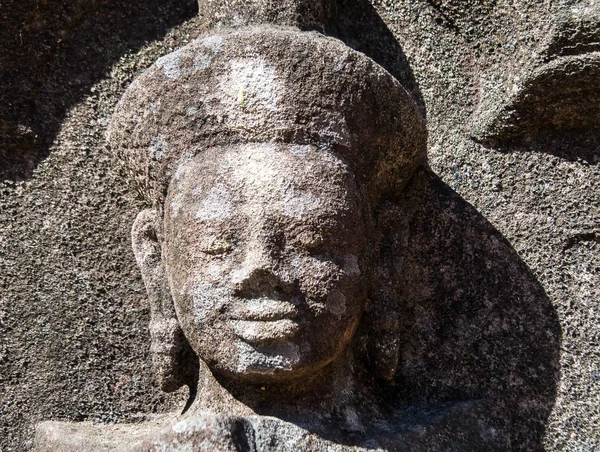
{"points": [[383, 345], [382, 317], [175, 363]]}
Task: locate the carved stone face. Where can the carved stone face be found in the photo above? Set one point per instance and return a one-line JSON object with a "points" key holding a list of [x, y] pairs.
{"points": [[264, 248]]}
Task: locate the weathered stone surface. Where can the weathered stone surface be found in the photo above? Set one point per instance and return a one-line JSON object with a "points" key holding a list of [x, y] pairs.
{"points": [[556, 91], [263, 254], [53, 53], [72, 301], [239, 87], [304, 14]]}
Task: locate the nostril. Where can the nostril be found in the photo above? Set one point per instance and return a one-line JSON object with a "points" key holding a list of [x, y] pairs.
{"points": [[287, 289], [252, 281], [263, 283]]}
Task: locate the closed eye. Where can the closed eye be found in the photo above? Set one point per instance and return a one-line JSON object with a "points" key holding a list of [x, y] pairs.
{"points": [[217, 246], [309, 242]]}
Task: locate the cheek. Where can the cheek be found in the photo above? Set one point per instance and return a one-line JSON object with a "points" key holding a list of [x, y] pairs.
{"points": [[208, 300], [216, 272], [211, 289], [200, 307], [329, 288], [200, 287]]}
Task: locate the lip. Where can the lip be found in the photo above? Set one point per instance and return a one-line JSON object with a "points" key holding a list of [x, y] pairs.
{"points": [[263, 310], [260, 331]]}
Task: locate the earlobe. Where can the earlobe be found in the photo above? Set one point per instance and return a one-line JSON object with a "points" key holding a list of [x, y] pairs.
{"points": [[174, 362], [145, 244], [143, 234], [147, 251], [383, 346]]}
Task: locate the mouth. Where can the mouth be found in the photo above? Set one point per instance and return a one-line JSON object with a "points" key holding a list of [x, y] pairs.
{"points": [[260, 331], [263, 309], [262, 320]]}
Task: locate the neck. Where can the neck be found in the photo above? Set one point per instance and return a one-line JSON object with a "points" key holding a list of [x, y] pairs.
{"points": [[334, 393]]}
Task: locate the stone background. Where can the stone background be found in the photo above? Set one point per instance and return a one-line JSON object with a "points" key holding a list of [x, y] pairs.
{"points": [[73, 321]]}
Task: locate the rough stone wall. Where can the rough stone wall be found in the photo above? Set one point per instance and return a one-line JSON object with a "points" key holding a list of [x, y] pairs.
{"points": [[539, 191], [73, 321]]}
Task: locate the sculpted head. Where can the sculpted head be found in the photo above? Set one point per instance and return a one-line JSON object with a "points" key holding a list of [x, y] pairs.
{"points": [[263, 245], [260, 251]]}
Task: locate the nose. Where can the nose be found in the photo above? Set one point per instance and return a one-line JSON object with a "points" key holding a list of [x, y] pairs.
{"points": [[259, 274], [260, 255]]}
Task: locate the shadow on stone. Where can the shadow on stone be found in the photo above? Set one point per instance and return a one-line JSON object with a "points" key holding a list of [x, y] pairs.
{"points": [[480, 326], [357, 23], [53, 52], [480, 349], [572, 145]]}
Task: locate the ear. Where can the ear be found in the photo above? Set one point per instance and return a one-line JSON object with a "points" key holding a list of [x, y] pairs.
{"points": [[175, 364], [382, 317], [383, 344]]}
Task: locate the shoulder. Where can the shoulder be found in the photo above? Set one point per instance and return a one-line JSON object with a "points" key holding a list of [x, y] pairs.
{"points": [[53, 436]]}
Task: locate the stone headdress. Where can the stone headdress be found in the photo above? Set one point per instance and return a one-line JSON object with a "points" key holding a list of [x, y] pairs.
{"points": [[268, 85], [258, 85]]}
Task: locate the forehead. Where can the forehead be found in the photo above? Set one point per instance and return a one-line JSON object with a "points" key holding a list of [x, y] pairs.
{"points": [[296, 180], [263, 164]]}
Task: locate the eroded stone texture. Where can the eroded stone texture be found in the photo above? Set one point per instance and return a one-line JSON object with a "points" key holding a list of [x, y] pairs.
{"points": [[245, 89], [278, 212], [556, 90], [538, 188], [276, 173], [74, 323], [304, 14]]}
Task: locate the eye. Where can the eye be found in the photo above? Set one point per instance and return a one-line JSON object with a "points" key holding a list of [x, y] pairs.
{"points": [[309, 241], [217, 246]]}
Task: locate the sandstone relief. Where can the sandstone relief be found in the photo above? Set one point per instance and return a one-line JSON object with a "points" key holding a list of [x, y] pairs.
{"points": [[309, 281], [270, 251], [266, 177]]}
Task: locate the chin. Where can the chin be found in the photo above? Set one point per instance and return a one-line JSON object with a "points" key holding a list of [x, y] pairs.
{"points": [[273, 363]]}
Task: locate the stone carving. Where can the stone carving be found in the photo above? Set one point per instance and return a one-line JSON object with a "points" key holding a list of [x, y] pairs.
{"points": [[552, 92], [494, 249], [272, 180], [270, 249], [263, 132]]}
